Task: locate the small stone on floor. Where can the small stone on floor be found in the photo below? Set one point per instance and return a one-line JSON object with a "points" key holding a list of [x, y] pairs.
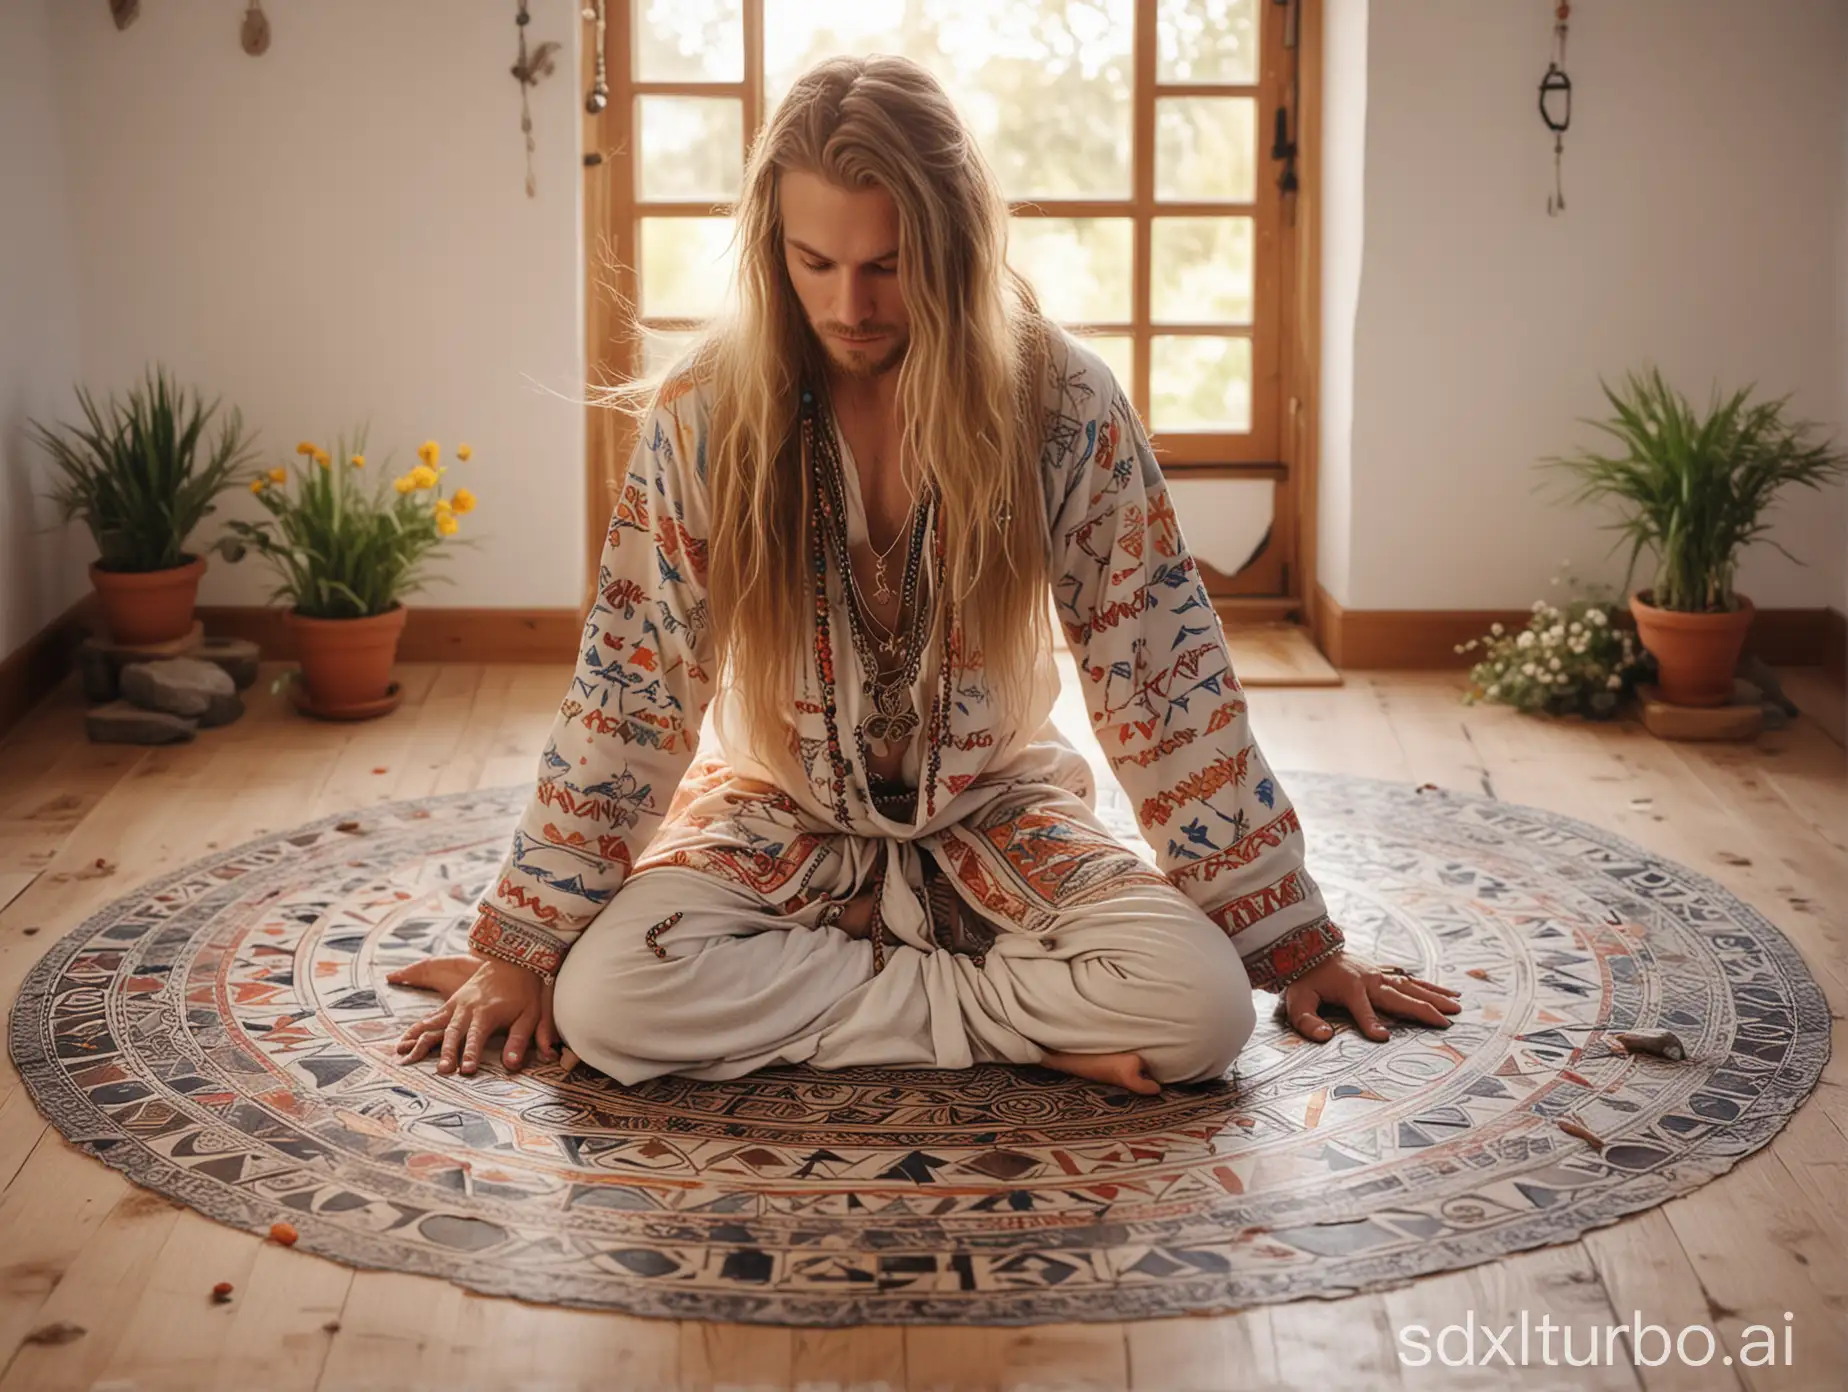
{"points": [[237, 657], [183, 686], [124, 722]]}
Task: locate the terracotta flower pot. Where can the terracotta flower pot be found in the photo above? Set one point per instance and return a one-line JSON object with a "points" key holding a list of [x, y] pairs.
{"points": [[1695, 653], [346, 663], [148, 606]]}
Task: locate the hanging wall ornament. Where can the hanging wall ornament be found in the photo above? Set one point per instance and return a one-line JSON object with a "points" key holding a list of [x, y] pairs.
{"points": [[1556, 107], [600, 90], [529, 70], [124, 12], [256, 31]]}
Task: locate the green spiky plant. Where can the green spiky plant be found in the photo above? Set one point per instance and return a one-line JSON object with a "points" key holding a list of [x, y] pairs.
{"points": [[141, 474], [1698, 483]]}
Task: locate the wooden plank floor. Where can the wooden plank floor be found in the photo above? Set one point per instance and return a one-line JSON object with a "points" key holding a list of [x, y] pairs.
{"points": [[81, 823]]}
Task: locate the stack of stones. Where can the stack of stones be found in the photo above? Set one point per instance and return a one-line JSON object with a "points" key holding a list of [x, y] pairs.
{"points": [[164, 693]]}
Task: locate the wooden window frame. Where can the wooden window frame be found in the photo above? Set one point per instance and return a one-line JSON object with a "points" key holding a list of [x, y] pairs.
{"points": [[1279, 445]]}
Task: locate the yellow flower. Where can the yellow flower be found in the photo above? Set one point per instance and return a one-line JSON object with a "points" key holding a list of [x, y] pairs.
{"points": [[321, 458], [465, 500], [257, 485], [423, 476], [446, 523], [442, 505], [359, 461], [464, 453], [428, 452], [403, 483], [278, 475], [307, 447]]}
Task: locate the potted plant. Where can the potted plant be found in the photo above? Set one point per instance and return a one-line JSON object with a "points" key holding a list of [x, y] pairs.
{"points": [[1698, 484], [346, 553], [141, 478]]}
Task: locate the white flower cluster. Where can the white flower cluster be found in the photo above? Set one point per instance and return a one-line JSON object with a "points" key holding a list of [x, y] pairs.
{"points": [[1559, 651]]}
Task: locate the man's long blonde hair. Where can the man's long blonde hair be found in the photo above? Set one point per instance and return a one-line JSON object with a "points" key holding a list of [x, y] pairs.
{"points": [[968, 388]]}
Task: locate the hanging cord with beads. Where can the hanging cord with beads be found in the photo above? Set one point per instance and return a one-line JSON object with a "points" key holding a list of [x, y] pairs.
{"points": [[600, 89], [529, 71], [1557, 86]]}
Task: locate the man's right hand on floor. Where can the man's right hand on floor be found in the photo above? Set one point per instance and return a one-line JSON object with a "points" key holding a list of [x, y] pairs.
{"points": [[486, 996]]}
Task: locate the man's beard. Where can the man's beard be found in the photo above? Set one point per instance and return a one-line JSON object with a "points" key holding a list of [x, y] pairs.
{"points": [[857, 362]]}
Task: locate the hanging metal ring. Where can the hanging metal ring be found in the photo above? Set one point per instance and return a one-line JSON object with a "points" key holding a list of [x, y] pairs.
{"points": [[1555, 84]]}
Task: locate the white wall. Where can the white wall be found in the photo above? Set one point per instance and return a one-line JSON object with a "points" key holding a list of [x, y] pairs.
{"points": [[1705, 218], [41, 567], [336, 232], [1344, 149]]}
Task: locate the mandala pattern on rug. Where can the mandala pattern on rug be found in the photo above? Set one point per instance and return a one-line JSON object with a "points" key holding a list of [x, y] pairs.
{"points": [[225, 1037]]}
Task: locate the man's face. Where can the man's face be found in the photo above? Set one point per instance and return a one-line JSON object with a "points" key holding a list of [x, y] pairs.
{"points": [[841, 247]]}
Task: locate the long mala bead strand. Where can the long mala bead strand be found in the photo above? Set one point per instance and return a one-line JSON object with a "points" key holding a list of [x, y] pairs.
{"points": [[939, 734], [824, 647], [884, 691], [876, 923]]}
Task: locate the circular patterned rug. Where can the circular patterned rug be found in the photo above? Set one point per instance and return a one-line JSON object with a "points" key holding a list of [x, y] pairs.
{"points": [[224, 1036]]}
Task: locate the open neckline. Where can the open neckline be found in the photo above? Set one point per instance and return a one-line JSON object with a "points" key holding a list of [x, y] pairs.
{"points": [[915, 749], [857, 531]]}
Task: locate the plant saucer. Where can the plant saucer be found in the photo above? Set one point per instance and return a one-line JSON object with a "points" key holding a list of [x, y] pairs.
{"points": [[361, 710]]}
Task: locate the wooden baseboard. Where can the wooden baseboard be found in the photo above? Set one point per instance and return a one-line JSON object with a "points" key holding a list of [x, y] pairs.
{"points": [[1426, 639], [30, 671], [430, 635], [1386, 639]]}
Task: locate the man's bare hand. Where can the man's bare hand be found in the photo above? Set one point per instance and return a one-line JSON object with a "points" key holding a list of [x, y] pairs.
{"points": [[485, 996], [1360, 986]]}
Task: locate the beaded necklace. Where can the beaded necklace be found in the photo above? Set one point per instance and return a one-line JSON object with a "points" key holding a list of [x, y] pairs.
{"points": [[886, 685]]}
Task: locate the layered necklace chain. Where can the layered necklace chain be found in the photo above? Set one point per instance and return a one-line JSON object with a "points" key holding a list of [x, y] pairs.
{"points": [[890, 664], [881, 590]]}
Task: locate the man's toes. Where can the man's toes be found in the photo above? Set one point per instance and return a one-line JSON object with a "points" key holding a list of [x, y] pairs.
{"points": [[1134, 1075]]}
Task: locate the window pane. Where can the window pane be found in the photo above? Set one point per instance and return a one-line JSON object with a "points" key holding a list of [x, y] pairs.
{"points": [[1201, 269], [1080, 267], [1206, 40], [1119, 354], [1206, 148], [1044, 84], [686, 266], [689, 40], [1200, 383], [692, 147]]}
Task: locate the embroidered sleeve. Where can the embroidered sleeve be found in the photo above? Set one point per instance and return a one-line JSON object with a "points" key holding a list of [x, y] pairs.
{"points": [[1166, 705], [630, 720]]}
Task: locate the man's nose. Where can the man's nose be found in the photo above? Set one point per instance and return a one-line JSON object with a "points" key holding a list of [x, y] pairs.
{"points": [[855, 298]]}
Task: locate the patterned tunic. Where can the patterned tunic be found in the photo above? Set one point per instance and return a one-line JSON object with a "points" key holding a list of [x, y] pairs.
{"points": [[619, 791]]}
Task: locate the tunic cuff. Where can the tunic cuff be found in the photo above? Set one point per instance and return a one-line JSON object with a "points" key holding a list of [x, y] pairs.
{"points": [[509, 940], [1294, 955]]}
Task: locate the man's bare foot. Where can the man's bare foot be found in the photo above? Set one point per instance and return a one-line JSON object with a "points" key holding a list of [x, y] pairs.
{"points": [[441, 974], [1125, 1070]]}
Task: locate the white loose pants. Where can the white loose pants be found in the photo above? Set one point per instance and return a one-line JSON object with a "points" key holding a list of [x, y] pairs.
{"points": [[693, 974]]}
